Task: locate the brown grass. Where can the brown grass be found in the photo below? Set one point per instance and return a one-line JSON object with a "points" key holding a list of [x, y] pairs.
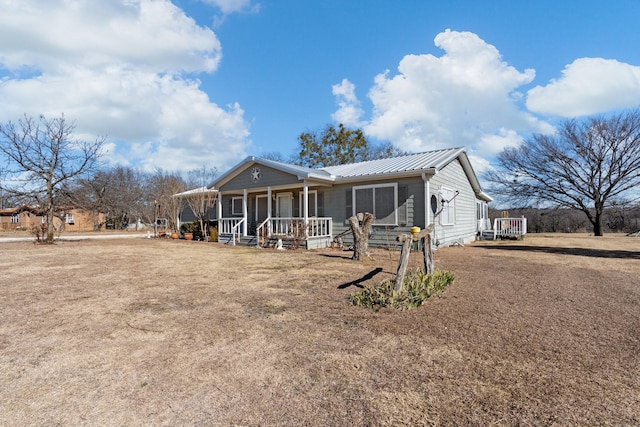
{"points": [[544, 331]]}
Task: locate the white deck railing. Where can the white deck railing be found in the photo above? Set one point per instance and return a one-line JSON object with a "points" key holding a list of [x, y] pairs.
{"points": [[509, 227]]}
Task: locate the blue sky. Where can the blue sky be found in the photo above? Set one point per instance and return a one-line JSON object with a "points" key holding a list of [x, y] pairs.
{"points": [[175, 85]]}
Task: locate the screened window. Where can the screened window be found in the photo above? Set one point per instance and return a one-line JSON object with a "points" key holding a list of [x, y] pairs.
{"points": [[68, 218], [380, 200], [448, 214], [236, 206]]}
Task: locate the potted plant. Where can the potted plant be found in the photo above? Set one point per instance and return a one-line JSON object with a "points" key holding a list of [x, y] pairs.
{"points": [[186, 230]]}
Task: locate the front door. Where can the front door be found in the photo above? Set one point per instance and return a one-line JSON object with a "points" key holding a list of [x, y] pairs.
{"points": [[284, 205], [261, 209]]}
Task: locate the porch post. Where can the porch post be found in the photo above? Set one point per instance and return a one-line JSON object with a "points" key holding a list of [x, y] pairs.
{"points": [[427, 200], [245, 212], [219, 210], [305, 209], [269, 210]]}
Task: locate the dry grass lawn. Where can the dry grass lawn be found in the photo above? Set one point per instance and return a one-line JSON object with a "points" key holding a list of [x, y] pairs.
{"points": [[544, 331]]}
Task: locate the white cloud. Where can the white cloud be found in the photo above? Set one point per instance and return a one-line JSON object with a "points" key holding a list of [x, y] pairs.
{"points": [[116, 69], [349, 111], [588, 86], [151, 35], [233, 6], [466, 97]]}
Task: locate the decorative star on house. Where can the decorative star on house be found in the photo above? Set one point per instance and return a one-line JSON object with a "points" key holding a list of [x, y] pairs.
{"points": [[255, 174]]}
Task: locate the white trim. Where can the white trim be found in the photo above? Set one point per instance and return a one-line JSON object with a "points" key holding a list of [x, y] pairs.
{"points": [[245, 211], [448, 205], [285, 196], [233, 205], [394, 185]]}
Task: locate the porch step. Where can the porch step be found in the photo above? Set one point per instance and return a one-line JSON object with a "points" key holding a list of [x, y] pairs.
{"points": [[251, 241], [487, 235], [240, 240]]}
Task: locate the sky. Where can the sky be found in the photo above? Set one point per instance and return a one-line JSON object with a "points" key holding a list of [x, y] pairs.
{"points": [[177, 85]]}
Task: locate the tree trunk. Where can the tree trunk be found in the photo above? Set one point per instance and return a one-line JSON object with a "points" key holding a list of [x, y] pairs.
{"points": [[597, 225], [429, 262], [360, 226]]}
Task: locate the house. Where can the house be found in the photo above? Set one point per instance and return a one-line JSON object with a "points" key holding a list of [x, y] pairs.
{"points": [[25, 217], [261, 200], [20, 218]]}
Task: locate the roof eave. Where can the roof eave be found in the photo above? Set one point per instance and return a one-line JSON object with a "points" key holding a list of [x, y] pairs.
{"points": [[379, 176]]}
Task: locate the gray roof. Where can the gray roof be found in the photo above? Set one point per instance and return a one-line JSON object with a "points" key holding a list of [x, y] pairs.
{"points": [[411, 163]]}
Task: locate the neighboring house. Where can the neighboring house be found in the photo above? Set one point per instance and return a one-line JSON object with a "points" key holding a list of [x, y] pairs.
{"points": [[78, 219], [25, 217], [21, 218], [268, 199]]}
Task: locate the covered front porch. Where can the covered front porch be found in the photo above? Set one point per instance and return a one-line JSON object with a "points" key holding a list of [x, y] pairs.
{"points": [[265, 216]]}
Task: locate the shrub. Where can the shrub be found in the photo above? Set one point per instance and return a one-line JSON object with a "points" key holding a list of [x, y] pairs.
{"points": [[416, 289], [213, 234]]}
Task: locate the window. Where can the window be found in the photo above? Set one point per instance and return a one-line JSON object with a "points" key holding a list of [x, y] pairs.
{"points": [[448, 213], [15, 219], [381, 200], [236, 206], [68, 218]]}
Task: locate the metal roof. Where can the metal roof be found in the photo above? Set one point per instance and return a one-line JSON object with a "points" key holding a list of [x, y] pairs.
{"points": [[196, 191], [430, 160], [411, 164]]}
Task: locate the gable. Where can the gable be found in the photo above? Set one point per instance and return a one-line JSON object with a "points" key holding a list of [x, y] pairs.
{"points": [[267, 176]]}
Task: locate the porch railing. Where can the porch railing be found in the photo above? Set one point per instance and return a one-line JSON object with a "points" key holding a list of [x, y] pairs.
{"points": [[509, 227], [263, 231], [226, 225], [237, 229], [280, 227], [483, 225], [293, 228]]}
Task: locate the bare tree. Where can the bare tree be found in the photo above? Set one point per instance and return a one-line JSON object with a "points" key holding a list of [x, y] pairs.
{"points": [[42, 160], [201, 198], [586, 165], [162, 186]]}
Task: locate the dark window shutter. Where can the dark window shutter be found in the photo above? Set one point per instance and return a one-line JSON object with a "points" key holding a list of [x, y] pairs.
{"points": [[348, 204], [403, 195], [295, 209], [320, 212]]}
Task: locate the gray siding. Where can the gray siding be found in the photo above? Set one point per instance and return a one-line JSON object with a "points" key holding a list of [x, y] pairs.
{"points": [[410, 211], [464, 229], [268, 176]]}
